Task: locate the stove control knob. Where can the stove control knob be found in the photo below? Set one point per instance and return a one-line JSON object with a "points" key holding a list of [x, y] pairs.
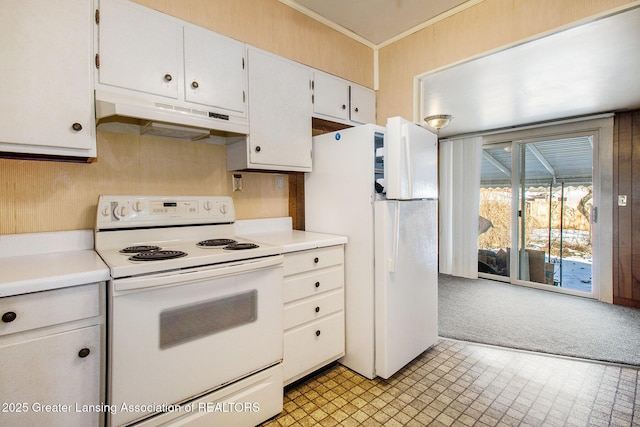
{"points": [[137, 206], [120, 212], [223, 209], [105, 211], [207, 205]]}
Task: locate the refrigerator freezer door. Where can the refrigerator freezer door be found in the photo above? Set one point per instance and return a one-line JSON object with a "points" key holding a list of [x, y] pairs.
{"points": [[406, 282], [411, 161]]}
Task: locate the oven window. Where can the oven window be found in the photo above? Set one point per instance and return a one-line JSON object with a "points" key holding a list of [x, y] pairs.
{"points": [[189, 322]]}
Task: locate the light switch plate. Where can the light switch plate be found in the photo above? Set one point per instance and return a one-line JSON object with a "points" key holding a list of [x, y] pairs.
{"points": [[622, 200]]}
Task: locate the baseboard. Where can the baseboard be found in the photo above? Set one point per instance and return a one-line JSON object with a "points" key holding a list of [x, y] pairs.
{"points": [[627, 302]]}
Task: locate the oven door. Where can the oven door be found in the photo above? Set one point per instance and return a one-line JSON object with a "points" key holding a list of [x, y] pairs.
{"points": [[177, 335]]}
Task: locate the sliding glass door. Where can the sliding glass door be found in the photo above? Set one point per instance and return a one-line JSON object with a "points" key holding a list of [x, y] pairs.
{"points": [[494, 223], [548, 187], [555, 192]]}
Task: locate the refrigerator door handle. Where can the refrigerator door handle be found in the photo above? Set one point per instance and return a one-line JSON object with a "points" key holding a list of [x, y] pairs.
{"points": [[391, 264], [407, 153]]}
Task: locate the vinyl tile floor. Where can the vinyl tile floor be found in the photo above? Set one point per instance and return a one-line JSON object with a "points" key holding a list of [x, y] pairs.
{"points": [[463, 384]]}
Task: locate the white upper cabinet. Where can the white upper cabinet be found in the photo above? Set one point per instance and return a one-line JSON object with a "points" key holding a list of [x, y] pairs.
{"points": [[46, 60], [142, 51], [214, 70], [330, 96], [139, 49], [341, 100], [279, 116], [363, 104]]}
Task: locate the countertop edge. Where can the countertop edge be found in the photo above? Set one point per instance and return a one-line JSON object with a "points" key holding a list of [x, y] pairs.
{"points": [[52, 283]]}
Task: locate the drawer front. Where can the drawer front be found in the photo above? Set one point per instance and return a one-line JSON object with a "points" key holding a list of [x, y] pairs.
{"points": [[30, 311], [299, 312], [313, 259], [314, 283], [313, 344]]}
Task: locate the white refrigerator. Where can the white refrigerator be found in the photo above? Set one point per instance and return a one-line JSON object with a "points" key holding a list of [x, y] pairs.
{"points": [[377, 185]]}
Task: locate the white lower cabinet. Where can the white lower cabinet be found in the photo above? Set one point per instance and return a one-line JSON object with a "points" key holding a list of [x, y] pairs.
{"points": [[50, 347], [313, 310]]}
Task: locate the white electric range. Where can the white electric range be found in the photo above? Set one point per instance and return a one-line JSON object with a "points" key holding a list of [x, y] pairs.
{"points": [[194, 313]]}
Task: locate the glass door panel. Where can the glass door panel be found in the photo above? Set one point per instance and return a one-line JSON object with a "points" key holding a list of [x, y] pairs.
{"points": [[554, 189], [494, 223]]}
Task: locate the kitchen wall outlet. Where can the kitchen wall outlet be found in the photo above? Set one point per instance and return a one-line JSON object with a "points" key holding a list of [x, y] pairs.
{"points": [[622, 200], [237, 182], [279, 182]]}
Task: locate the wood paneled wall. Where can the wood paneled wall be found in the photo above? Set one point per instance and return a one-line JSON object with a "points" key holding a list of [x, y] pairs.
{"points": [[626, 219], [480, 29]]}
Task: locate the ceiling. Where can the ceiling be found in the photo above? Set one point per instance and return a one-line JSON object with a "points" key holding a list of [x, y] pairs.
{"points": [[376, 22], [583, 70], [588, 69]]}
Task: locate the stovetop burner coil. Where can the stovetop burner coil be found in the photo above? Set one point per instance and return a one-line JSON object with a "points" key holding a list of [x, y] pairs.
{"points": [[241, 246], [216, 242], [138, 249], [157, 255]]}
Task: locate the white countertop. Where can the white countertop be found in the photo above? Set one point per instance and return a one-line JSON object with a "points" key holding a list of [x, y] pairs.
{"points": [[277, 231], [36, 262]]}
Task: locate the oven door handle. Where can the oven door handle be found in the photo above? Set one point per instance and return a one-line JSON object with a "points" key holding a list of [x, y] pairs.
{"points": [[174, 277]]}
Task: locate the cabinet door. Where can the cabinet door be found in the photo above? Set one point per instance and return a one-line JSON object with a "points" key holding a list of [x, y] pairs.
{"points": [[46, 73], [330, 96], [279, 112], [139, 49], [53, 370], [363, 104], [214, 70]]}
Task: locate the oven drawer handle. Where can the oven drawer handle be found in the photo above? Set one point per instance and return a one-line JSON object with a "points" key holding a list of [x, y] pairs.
{"points": [[178, 278]]}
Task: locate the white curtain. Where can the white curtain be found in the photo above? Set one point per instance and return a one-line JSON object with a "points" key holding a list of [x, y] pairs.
{"points": [[460, 162]]}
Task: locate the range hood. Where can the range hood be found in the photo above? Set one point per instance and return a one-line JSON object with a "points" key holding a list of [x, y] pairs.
{"points": [[126, 114]]}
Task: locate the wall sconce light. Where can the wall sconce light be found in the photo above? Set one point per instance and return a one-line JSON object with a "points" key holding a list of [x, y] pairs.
{"points": [[438, 121]]}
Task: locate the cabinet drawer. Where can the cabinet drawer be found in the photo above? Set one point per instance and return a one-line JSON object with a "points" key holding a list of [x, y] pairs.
{"points": [[311, 345], [313, 308], [313, 259], [30, 311], [313, 283]]}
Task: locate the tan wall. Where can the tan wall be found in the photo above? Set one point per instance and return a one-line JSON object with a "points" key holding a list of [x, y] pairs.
{"points": [[489, 25], [50, 196], [38, 196], [276, 27]]}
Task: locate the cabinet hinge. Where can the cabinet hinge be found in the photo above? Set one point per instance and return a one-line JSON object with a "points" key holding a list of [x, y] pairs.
{"points": [[97, 16], [97, 60]]}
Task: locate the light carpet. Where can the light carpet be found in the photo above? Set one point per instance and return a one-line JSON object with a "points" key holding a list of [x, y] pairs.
{"points": [[495, 313]]}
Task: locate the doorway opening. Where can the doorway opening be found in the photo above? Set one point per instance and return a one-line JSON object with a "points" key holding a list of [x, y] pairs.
{"points": [[537, 196]]}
